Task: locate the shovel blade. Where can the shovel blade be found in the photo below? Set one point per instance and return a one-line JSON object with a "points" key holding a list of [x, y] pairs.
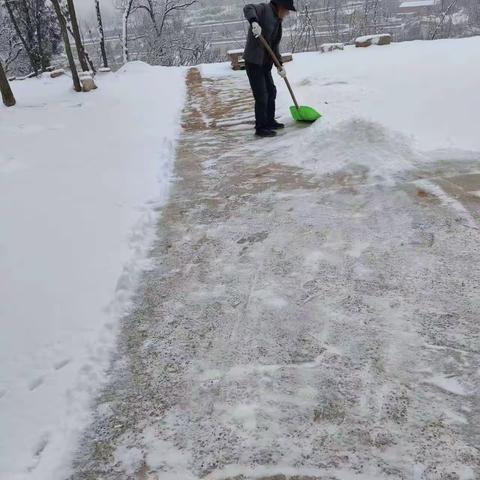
{"points": [[304, 114]]}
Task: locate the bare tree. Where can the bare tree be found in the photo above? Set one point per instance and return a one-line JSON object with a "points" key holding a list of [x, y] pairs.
{"points": [[76, 35], [303, 31], [442, 19], [27, 46], [7, 94], [101, 33], [473, 11], [10, 46], [126, 6], [332, 14], [36, 29], [159, 13], [170, 7], [375, 15], [68, 48]]}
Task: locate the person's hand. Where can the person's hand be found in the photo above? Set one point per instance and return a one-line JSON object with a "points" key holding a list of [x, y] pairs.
{"points": [[256, 29], [281, 71]]}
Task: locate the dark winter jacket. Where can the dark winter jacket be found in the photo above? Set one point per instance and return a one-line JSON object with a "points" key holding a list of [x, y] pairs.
{"points": [[265, 14]]}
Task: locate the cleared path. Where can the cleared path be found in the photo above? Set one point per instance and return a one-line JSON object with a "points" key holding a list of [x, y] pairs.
{"points": [[296, 327]]}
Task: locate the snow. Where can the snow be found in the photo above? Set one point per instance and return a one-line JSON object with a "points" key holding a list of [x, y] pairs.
{"points": [[315, 311], [81, 180], [450, 384], [57, 72], [419, 94], [419, 3], [237, 51], [374, 38], [387, 108], [283, 294], [88, 74], [460, 18], [336, 46], [213, 70]]}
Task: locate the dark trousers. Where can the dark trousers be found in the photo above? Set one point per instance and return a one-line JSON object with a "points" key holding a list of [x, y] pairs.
{"points": [[264, 92]]}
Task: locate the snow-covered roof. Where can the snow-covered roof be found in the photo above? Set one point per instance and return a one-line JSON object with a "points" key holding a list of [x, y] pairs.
{"points": [[233, 52], [419, 3]]}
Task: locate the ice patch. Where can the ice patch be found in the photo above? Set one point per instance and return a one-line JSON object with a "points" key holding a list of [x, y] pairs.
{"points": [[449, 384], [239, 371]]}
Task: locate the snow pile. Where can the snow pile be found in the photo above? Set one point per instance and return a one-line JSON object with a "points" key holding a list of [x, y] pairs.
{"points": [[384, 109], [81, 179]]}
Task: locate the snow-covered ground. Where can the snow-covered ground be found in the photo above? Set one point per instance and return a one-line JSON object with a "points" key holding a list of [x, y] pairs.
{"points": [[245, 363], [312, 310], [81, 180], [419, 95]]}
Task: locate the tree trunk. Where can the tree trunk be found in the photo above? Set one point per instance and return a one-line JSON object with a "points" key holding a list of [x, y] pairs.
{"points": [[28, 25], [101, 33], [125, 35], [7, 94], [38, 25], [68, 48], [28, 50], [445, 13], [76, 35]]}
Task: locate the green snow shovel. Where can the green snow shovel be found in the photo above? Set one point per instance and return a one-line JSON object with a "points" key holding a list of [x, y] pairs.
{"points": [[299, 113]]}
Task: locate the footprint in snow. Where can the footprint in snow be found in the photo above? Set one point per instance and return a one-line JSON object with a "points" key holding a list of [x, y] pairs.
{"points": [[330, 84], [72, 105], [38, 451], [34, 384], [62, 363]]}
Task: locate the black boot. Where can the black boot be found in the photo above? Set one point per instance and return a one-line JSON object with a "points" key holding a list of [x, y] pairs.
{"points": [[265, 132], [276, 125]]}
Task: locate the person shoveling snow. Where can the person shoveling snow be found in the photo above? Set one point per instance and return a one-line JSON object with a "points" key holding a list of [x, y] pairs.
{"points": [[261, 52], [266, 19]]}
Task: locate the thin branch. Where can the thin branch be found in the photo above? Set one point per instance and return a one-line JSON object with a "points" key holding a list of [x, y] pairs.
{"points": [[443, 18]]}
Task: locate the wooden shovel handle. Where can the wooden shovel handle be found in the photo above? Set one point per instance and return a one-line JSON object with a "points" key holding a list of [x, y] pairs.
{"points": [[277, 63]]}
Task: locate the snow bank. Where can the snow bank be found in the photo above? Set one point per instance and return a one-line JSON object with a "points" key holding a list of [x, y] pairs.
{"points": [[212, 70], [384, 109], [81, 177]]}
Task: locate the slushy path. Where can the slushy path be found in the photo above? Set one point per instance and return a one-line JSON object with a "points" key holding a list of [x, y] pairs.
{"points": [[296, 327]]}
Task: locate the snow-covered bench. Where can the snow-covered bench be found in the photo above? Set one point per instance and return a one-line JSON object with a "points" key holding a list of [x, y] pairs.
{"points": [[379, 39]]}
